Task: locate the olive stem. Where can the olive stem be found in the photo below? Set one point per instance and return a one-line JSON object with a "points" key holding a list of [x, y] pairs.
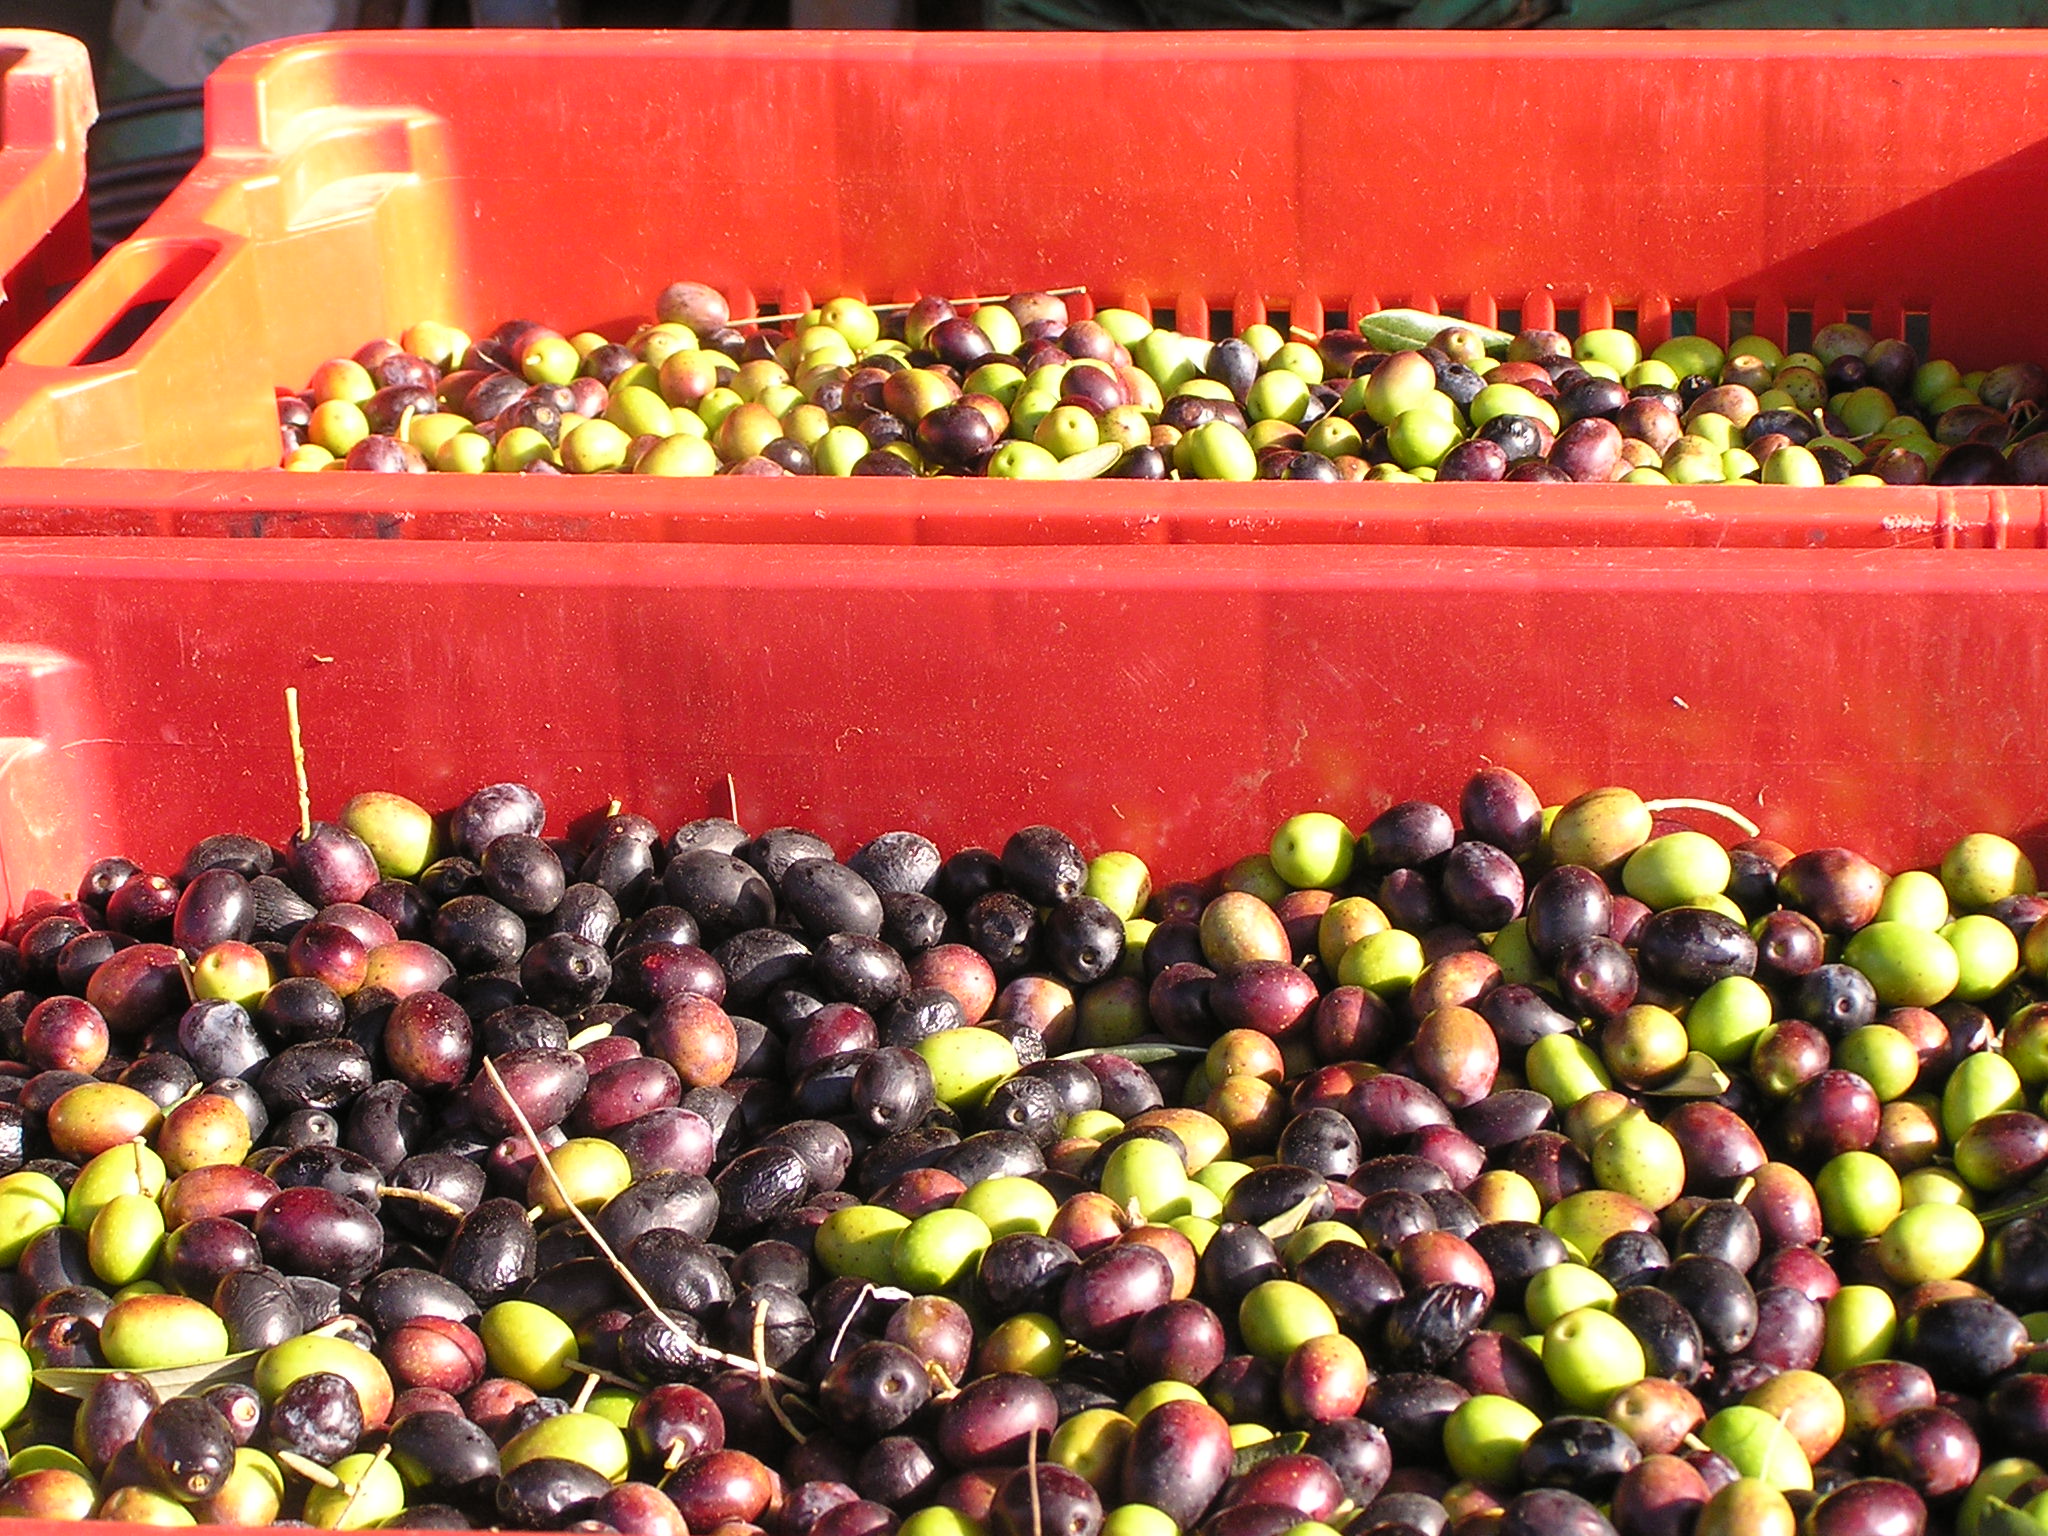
{"points": [[613, 807], [1031, 1475], [732, 799], [867, 1289], [440, 1203], [583, 1394], [1713, 807], [762, 1381], [611, 1257], [291, 712], [599, 1373], [307, 1468], [185, 975], [584, 1037], [948, 1387], [908, 304], [383, 1455]]}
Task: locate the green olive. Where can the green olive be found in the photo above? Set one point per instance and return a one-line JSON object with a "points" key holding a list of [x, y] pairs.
{"points": [[1983, 869], [1484, 1437], [1726, 1019], [1385, 963], [371, 1493], [941, 1249], [1930, 1242], [1277, 1316], [1909, 966], [126, 1238], [1916, 897], [1589, 1355], [1590, 1217], [1147, 1176], [584, 1437], [1981, 1084], [148, 1333], [1314, 850], [1987, 956], [528, 1343], [591, 1169], [1882, 1057], [1759, 1446], [1562, 1288], [967, 1064], [1564, 1069], [126, 1170], [1639, 1158], [1859, 1195], [1091, 1444], [1010, 1204], [1675, 869]]}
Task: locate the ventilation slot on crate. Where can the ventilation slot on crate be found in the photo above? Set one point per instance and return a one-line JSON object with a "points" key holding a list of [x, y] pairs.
{"points": [[1798, 330], [1568, 322], [1918, 331], [1222, 325]]}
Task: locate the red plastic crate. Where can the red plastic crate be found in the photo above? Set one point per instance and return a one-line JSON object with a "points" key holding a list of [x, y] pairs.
{"points": [[1725, 181], [46, 106], [1176, 701]]}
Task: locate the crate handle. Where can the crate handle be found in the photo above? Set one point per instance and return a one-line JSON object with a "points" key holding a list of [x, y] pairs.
{"points": [[117, 303]]}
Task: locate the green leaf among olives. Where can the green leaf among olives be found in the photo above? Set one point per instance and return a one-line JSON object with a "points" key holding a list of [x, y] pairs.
{"points": [[171, 1381]]}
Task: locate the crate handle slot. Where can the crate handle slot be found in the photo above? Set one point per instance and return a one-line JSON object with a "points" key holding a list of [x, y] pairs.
{"points": [[112, 309]]}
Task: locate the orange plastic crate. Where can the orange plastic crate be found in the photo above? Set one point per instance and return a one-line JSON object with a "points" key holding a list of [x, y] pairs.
{"points": [[46, 106], [1719, 182]]}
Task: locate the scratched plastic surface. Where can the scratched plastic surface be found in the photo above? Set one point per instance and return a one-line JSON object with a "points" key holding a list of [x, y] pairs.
{"points": [[1721, 182], [1176, 701], [46, 106]]}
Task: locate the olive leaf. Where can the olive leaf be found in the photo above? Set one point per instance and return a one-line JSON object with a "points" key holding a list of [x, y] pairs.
{"points": [[1249, 1456], [1143, 1054], [169, 1381], [1408, 330], [1289, 1221], [1699, 1079], [1089, 463]]}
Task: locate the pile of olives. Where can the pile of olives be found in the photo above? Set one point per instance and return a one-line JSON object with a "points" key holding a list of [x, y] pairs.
{"points": [[1025, 389], [1537, 1171]]}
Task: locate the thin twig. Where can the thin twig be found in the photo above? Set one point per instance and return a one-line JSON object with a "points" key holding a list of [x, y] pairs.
{"points": [[291, 711], [599, 1373], [867, 1289], [383, 1455], [440, 1203], [1714, 807], [610, 1255], [767, 1387], [583, 1394], [909, 304], [732, 799], [307, 1468], [1031, 1474]]}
